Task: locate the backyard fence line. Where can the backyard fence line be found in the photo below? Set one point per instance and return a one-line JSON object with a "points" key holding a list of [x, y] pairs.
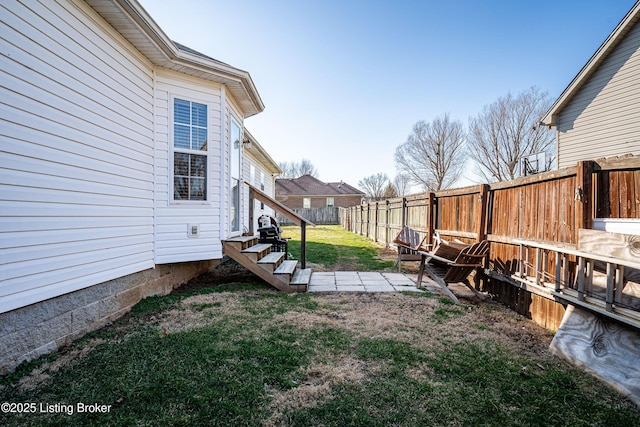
{"points": [[550, 207], [327, 215]]}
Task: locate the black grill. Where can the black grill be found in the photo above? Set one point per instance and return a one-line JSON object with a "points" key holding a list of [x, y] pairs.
{"points": [[270, 232]]}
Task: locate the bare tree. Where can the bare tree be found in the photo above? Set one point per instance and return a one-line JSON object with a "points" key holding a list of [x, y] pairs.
{"points": [[402, 184], [374, 185], [305, 167], [389, 191], [434, 154], [506, 131], [288, 170], [296, 170]]}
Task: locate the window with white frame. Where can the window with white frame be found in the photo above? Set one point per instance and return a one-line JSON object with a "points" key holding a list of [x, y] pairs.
{"points": [[330, 202], [306, 203], [189, 150]]}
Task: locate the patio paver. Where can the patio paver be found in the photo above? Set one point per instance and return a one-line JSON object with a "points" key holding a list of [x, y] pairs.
{"points": [[365, 281]]}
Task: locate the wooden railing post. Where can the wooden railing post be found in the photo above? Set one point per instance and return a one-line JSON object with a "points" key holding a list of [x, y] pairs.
{"points": [[251, 207], [303, 245]]}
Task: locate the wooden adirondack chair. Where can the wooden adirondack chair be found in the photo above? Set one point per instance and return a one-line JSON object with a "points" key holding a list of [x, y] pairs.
{"points": [[459, 267], [408, 242]]}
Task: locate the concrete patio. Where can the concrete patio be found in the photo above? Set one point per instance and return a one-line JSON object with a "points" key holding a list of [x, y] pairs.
{"points": [[355, 281]]}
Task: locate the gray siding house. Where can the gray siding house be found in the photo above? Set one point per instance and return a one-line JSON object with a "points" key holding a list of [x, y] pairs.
{"points": [[598, 114]]}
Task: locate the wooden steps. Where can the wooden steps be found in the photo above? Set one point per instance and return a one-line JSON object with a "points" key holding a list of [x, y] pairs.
{"points": [[272, 267], [272, 260], [301, 277], [287, 267], [257, 252]]}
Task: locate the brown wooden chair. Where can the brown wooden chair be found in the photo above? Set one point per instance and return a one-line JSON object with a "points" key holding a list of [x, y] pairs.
{"points": [[408, 242], [459, 266]]}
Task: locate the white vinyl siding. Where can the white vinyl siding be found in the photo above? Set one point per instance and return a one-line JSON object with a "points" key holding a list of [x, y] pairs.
{"points": [[603, 118], [261, 175], [76, 166], [173, 243]]}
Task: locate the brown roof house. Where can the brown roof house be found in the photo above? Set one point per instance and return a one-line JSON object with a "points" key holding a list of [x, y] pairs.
{"points": [[309, 192]]}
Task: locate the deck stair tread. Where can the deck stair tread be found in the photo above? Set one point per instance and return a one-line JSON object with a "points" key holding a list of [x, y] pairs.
{"points": [[287, 267], [271, 258], [241, 239], [301, 277], [260, 247]]}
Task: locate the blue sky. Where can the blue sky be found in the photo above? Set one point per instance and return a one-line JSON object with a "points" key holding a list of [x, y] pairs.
{"points": [[344, 81]]}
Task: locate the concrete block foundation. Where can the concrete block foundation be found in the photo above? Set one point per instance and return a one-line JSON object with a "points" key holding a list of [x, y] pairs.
{"points": [[32, 331]]}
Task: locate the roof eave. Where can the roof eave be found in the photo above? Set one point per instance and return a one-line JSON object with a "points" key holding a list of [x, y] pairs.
{"points": [[589, 68], [261, 154], [133, 22]]}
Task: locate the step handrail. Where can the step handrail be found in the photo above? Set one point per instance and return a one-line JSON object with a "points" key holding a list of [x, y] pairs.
{"points": [[255, 194]]}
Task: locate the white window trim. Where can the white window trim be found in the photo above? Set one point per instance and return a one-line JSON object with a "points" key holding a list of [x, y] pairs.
{"points": [[170, 142]]}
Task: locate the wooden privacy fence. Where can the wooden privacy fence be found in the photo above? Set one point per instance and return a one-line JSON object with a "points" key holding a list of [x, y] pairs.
{"points": [[548, 208], [328, 215], [382, 221]]}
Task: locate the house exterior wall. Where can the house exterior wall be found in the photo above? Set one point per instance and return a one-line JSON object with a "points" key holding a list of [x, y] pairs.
{"points": [[603, 118], [259, 209], [76, 167], [173, 243], [88, 226], [231, 113]]}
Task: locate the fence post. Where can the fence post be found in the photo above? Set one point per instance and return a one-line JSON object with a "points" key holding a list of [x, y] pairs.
{"points": [[584, 195], [375, 223], [387, 230], [432, 217], [404, 213], [481, 212]]}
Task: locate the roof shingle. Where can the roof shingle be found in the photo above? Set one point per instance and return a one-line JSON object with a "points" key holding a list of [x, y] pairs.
{"points": [[307, 185]]}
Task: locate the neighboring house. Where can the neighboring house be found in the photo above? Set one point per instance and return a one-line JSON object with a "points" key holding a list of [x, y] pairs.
{"points": [[121, 168], [309, 192], [598, 114], [260, 171]]}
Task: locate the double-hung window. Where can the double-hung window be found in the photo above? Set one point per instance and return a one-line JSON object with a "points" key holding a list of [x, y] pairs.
{"points": [[189, 150]]}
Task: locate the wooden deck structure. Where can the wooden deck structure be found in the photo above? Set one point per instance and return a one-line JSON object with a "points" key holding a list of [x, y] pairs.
{"points": [[549, 209]]}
